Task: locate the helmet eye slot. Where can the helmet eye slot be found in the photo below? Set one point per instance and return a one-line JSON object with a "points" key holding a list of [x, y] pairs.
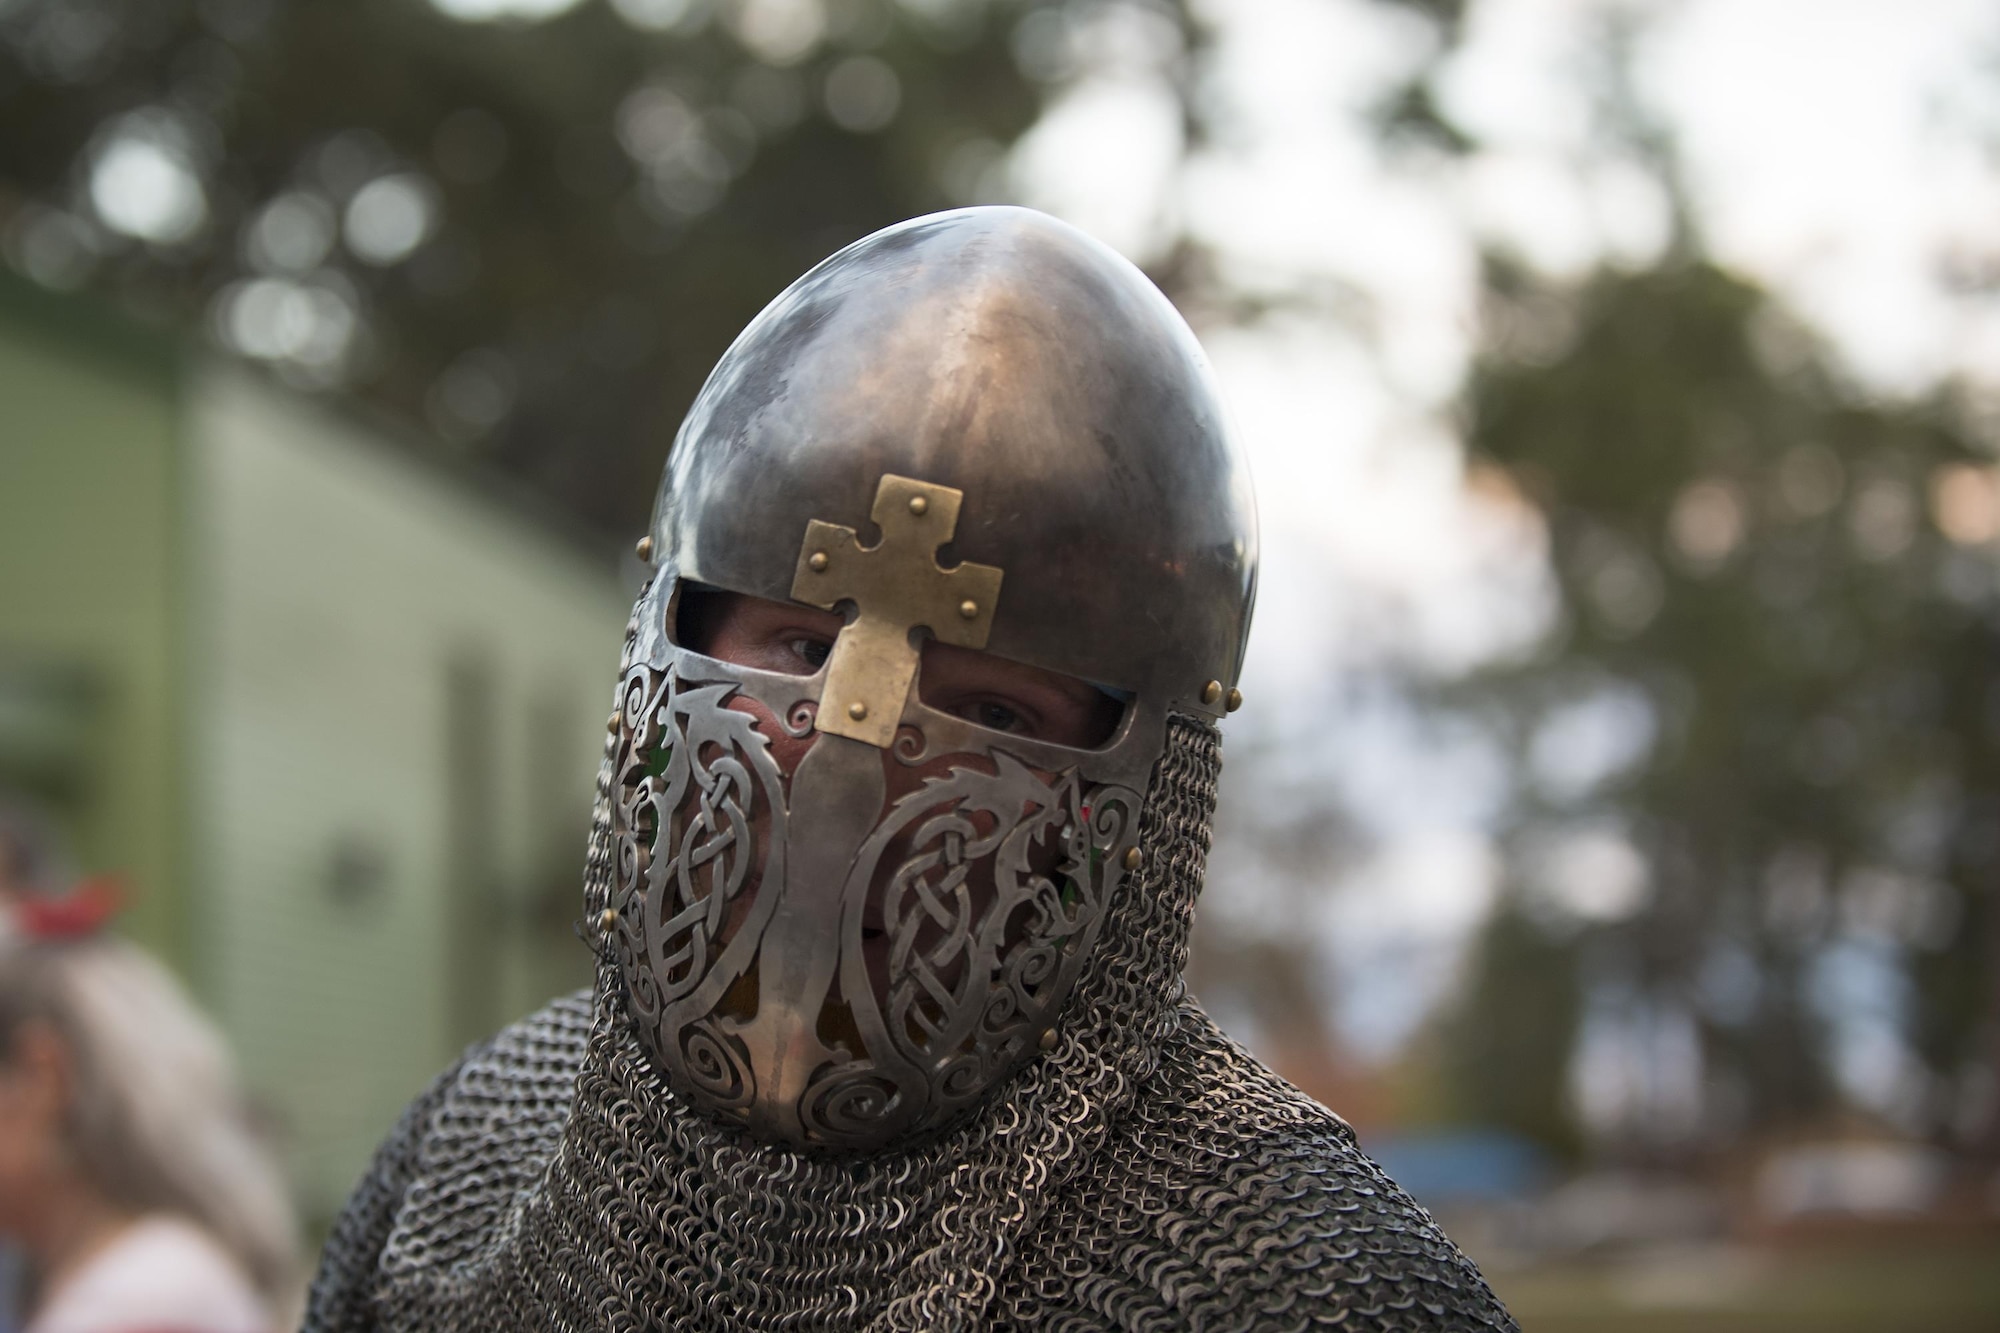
{"points": [[993, 693], [1014, 699], [781, 637]]}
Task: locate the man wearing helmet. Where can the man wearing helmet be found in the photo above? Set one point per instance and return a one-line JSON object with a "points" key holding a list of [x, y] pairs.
{"points": [[901, 826]]}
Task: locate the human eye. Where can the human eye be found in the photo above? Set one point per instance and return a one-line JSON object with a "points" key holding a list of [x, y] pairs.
{"points": [[995, 715], [811, 650]]}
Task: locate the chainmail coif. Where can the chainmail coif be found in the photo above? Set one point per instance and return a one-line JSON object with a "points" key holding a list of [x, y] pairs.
{"points": [[1147, 1173]]}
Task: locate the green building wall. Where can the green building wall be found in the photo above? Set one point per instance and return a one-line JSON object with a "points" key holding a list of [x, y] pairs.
{"points": [[91, 582], [404, 692], [333, 711]]}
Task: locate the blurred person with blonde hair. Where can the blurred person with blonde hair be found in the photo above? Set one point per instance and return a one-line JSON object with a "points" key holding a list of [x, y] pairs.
{"points": [[130, 1181]]}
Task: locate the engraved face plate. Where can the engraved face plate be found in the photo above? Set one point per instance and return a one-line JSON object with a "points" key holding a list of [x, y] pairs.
{"points": [[824, 963]]}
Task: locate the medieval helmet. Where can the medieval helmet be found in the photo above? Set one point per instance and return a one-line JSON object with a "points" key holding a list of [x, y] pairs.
{"points": [[981, 427]]}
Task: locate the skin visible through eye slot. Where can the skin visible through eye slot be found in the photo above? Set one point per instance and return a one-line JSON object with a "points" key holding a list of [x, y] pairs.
{"points": [[1006, 696]]}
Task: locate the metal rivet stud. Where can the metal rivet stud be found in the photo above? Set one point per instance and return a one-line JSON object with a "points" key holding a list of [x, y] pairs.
{"points": [[607, 919], [1048, 1039], [817, 562], [611, 723], [1234, 701], [918, 504], [645, 548], [1211, 691], [968, 608], [857, 710], [1132, 858]]}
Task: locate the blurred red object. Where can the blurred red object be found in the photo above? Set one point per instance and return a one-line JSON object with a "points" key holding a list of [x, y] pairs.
{"points": [[81, 912]]}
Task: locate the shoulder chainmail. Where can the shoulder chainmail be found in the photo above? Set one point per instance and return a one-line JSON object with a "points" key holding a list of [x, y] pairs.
{"points": [[1145, 1174]]}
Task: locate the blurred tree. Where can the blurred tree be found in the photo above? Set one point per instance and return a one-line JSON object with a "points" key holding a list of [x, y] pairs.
{"points": [[1505, 1047], [1759, 758], [1254, 957], [533, 234]]}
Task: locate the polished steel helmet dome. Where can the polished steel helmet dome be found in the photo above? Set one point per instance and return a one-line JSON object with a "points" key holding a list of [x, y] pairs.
{"points": [[1007, 355]]}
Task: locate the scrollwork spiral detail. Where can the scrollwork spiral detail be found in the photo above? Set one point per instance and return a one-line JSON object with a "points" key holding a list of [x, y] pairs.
{"points": [[990, 887], [693, 780]]}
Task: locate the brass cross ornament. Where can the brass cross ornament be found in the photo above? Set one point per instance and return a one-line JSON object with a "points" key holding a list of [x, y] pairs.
{"points": [[896, 586]]}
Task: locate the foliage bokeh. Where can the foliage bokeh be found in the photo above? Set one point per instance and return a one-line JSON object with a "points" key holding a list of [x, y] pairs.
{"points": [[598, 200], [1778, 599]]}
